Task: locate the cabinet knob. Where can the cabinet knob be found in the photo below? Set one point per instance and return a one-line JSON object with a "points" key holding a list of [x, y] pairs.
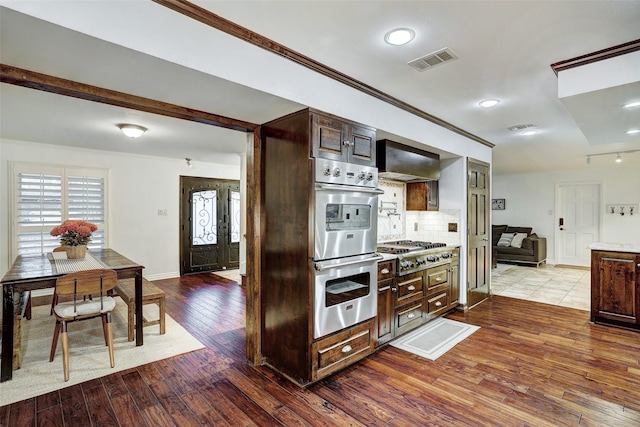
{"points": [[346, 349], [385, 271], [438, 303], [394, 289], [411, 288], [438, 278], [347, 143], [411, 315]]}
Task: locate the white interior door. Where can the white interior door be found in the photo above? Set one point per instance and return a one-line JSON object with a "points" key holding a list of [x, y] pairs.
{"points": [[578, 223]]}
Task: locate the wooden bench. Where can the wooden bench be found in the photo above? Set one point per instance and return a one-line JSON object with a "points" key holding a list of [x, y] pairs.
{"points": [[151, 294]]}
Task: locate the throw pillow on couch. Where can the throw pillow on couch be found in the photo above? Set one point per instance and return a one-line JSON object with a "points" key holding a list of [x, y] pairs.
{"points": [[517, 240], [505, 239]]}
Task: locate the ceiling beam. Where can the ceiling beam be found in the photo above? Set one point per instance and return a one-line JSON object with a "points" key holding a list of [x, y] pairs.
{"points": [[33, 80], [610, 52], [215, 21]]}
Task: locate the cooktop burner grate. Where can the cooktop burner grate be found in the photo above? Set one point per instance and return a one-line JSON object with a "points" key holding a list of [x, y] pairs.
{"points": [[404, 246]]}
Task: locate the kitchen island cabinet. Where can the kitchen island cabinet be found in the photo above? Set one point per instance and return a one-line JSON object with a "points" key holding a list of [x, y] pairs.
{"points": [[615, 285]]}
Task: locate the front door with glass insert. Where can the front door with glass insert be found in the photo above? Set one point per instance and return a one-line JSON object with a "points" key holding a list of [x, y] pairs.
{"points": [[209, 224]]}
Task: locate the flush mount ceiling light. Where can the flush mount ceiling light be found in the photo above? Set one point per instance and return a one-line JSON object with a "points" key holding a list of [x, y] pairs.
{"points": [[632, 104], [488, 103], [132, 131], [399, 36]]}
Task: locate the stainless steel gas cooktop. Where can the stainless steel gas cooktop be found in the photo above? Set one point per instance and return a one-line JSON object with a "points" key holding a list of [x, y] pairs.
{"points": [[416, 256]]}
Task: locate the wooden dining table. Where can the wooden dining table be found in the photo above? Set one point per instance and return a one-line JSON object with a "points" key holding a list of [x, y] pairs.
{"points": [[30, 272]]}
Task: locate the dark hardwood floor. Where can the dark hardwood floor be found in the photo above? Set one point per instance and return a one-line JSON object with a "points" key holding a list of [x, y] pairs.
{"points": [[530, 364]]}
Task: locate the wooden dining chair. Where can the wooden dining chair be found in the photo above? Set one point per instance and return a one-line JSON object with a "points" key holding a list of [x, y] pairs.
{"points": [[78, 285]]}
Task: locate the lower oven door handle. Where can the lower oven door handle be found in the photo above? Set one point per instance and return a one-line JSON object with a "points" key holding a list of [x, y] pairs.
{"points": [[321, 267], [334, 187]]}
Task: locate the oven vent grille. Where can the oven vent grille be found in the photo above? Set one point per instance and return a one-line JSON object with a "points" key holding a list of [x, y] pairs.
{"points": [[433, 59]]}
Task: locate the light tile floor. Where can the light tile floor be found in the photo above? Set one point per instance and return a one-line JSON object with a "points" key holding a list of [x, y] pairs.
{"points": [[568, 287]]}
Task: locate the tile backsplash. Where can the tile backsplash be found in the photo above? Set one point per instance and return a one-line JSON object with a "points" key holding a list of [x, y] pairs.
{"points": [[395, 223]]}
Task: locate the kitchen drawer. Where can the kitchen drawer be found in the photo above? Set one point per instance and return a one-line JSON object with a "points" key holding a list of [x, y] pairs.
{"points": [[409, 287], [339, 350], [437, 276], [438, 302], [386, 269], [409, 317]]}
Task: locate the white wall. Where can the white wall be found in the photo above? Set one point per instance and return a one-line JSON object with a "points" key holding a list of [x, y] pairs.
{"points": [[530, 201], [138, 187]]}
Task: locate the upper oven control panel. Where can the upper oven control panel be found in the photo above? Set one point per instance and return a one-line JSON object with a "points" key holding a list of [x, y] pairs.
{"points": [[333, 172]]}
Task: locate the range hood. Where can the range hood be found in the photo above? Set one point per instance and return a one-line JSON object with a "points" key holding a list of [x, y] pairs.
{"points": [[403, 163]]}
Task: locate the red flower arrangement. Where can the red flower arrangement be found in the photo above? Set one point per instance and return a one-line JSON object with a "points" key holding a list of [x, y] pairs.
{"points": [[74, 232]]}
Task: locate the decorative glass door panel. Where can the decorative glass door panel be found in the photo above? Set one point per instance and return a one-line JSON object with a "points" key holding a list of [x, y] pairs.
{"points": [[204, 206], [209, 224]]}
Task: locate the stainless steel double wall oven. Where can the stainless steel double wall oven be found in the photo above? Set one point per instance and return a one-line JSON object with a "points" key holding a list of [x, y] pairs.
{"points": [[344, 262]]}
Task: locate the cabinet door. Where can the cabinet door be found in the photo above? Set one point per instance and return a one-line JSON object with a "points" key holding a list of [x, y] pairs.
{"points": [[385, 312], [433, 199], [454, 284], [616, 296], [330, 139], [362, 148], [422, 196]]}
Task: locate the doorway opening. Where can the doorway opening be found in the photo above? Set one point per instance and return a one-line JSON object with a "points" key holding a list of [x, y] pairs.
{"points": [[209, 224]]}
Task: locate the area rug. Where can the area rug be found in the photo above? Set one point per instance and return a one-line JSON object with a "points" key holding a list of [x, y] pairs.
{"points": [[435, 338], [88, 356]]}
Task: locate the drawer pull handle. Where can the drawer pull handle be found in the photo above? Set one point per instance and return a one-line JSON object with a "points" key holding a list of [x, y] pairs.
{"points": [[411, 288], [385, 271], [438, 278], [438, 303], [346, 349], [411, 315]]}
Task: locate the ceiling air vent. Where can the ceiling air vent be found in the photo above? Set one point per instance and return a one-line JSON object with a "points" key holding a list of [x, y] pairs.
{"points": [[515, 128], [433, 59]]}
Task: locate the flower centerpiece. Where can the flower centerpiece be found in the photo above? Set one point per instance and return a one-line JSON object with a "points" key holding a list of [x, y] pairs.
{"points": [[74, 236]]}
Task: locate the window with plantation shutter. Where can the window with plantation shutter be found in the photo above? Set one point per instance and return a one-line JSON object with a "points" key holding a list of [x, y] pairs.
{"points": [[44, 196]]}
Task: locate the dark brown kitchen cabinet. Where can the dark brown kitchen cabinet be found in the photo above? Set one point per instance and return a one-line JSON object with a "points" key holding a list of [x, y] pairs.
{"points": [[615, 293], [287, 342], [422, 196], [336, 139], [454, 278], [384, 319], [408, 302], [341, 349]]}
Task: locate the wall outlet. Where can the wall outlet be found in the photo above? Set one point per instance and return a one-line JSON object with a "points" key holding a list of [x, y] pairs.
{"points": [[162, 212]]}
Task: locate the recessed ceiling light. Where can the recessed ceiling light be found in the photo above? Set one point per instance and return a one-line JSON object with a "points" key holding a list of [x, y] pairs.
{"points": [[633, 131], [399, 36], [632, 104], [488, 103]]}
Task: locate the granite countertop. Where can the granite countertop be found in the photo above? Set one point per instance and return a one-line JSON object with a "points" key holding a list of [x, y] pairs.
{"points": [[616, 247]]}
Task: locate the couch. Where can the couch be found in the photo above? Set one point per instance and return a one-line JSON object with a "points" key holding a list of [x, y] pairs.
{"points": [[531, 250]]}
